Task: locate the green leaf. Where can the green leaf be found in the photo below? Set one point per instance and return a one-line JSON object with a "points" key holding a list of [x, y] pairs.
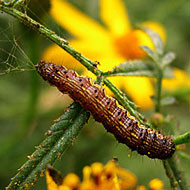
{"points": [[59, 137], [132, 68], [150, 53], [158, 44], [167, 59], [168, 72]]}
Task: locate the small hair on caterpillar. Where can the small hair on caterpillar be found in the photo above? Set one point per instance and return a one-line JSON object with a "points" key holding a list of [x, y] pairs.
{"points": [[105, 109]]}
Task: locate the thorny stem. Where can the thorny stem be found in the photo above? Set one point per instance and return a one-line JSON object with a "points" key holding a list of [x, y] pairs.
{"points": [[177, 173], [12, 3], [89, 65], [159, 88], [165, 163], [49, 34], [64, 44], [170, 164], [34, 85], [21, 131], [59, 137], [170, 175]]}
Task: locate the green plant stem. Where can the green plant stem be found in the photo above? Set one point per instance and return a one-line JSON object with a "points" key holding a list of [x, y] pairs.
{"points": [[177, 173], [64, 44], [59, 137], [49, 34], [21, 131], [86, 62], [170, 175], [33, 51], [159, 88], [185, 138], [170, 164], [15, 2]]}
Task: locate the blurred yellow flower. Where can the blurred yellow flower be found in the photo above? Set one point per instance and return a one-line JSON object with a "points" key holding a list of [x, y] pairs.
{"points": [[156, 184], [98, 177], [141, 187], [179, 80], [110, 45], [95, 177]]}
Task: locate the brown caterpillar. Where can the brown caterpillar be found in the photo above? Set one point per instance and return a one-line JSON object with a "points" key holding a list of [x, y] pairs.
{"points": [[105, 109]]}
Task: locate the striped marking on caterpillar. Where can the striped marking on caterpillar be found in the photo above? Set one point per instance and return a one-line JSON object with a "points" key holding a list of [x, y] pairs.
{"points": [[105, 109]]}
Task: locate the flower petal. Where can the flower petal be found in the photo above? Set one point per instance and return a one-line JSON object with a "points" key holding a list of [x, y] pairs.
{"points": [[71, 180], [115, 16], [142, 187], [129, 45], [76, 22], [93, 51], [51, 184], [180, 80], [58, 56], [96, 168], [156, 184], [140, 90], [127, 179]]}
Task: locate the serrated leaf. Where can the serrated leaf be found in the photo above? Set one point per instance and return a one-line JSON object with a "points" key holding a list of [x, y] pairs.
{"points": [[158, 44], [167, 59], [59, 137], [150, 53], [168, 72], [133, 68]]}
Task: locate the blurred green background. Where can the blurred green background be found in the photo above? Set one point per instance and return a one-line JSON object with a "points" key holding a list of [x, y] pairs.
{"points": [[28, 105]]}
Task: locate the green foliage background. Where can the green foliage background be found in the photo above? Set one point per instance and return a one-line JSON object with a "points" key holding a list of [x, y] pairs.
{"points": [[23, 122]]}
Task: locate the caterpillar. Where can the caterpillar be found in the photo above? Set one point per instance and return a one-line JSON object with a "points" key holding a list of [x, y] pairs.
{"points": [[115, 118]]}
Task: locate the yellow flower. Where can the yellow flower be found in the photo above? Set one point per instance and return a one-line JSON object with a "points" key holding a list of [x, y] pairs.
{"points": [[109, 176], [179, 80], [110, 45], [156, 184], [99, 177], [71, 180], [95, 177], [141, 187]]}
